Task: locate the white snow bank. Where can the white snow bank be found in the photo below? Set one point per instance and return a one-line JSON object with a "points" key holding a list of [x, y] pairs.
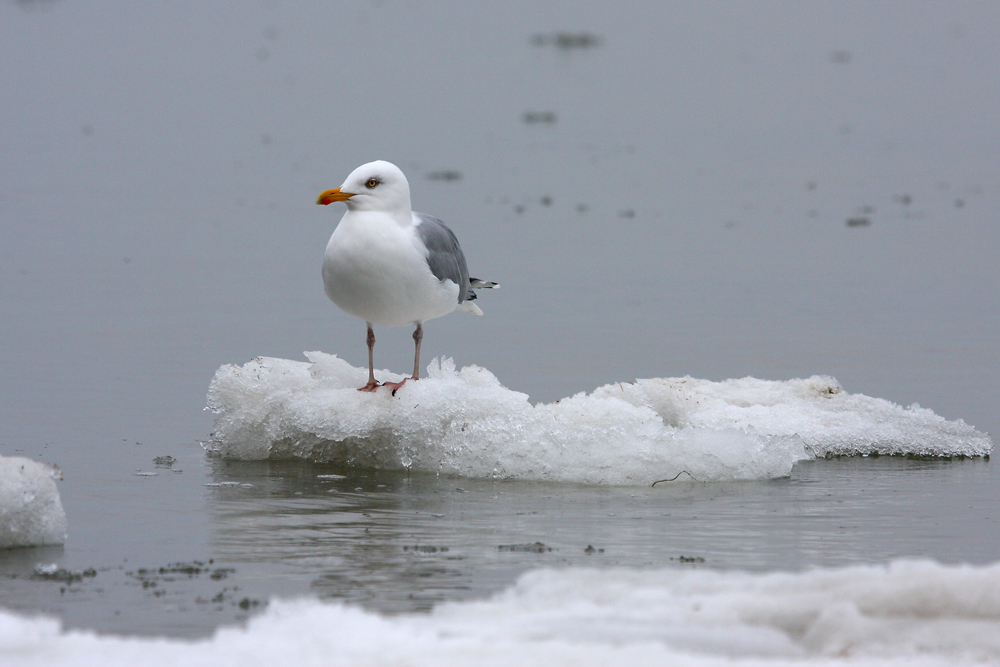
{"points": [[906, 613], [30, 511], [466, 423]]}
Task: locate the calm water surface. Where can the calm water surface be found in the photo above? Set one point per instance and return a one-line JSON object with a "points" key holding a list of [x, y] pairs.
{"points": [[245, 532]]}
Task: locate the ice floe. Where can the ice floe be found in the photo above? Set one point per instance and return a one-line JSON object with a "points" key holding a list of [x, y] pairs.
{"points": [[31, 513], [464, 422], [903, 613]]}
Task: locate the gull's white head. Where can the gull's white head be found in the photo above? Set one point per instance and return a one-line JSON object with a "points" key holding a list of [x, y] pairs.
{"points": [[376, 186]]}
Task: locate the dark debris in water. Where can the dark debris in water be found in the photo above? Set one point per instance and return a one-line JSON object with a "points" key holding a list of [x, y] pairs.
{"points": [[228, 596], [590, 550], [860, 221], [54, 573], [539, 117], [688, 559], [425, 549], [446, 175], [566, 41], [840, 57], [534, 548], [31, 5], [156, 581], [247, 604], [196, 568]]}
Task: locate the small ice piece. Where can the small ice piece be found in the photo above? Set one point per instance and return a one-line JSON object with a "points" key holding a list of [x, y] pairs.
{"points": [[31, 513], [46, 569], [465, 423]]}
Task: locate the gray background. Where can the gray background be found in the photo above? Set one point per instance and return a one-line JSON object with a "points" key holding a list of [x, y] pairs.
{"points": [[662, 192]]}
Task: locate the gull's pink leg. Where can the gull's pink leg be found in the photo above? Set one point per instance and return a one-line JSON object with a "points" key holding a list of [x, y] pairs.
{"points": [[372, 384], [418, 336]]}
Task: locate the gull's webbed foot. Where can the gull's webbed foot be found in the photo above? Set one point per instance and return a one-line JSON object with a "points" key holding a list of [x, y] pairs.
{"points": [[396, 385]]}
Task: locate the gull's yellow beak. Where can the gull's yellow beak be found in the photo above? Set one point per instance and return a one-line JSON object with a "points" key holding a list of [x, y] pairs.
{"points": [[330, 196]]}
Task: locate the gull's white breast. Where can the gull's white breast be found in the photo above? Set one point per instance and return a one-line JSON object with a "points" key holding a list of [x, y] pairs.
{"points": [[376, 270]]}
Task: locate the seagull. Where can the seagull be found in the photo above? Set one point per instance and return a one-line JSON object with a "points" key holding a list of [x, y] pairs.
{"points": [[391, 266]]}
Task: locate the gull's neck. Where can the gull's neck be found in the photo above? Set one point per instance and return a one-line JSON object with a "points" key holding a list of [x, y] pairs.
{"points": [[403, 216]]}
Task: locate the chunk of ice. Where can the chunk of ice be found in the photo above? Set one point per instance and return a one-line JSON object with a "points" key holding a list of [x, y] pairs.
{"points": [[31, 513], [464, 422], [830, 421], [904, 613]]}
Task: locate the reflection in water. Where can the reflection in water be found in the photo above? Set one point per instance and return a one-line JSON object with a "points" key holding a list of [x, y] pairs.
{"points": [[397, 543], [22, 562], [362, 535]]}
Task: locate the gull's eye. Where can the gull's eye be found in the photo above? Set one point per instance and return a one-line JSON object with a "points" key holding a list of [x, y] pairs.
{"points": [[372, 182]]}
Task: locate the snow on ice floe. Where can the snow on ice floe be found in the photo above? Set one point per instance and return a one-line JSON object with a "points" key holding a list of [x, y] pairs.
{"points": [[31, 513], [903, 613], [464, 422]]}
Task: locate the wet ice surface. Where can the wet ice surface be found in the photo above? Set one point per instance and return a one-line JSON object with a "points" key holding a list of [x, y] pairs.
{"points": [[31, 513], [464, 422]]}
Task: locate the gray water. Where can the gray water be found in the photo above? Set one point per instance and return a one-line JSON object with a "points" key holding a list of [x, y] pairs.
{"points": [[173, 556], [706, 190]]}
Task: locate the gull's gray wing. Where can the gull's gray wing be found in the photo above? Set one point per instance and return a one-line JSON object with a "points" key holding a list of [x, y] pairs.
{"points": [[444, 255]]}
